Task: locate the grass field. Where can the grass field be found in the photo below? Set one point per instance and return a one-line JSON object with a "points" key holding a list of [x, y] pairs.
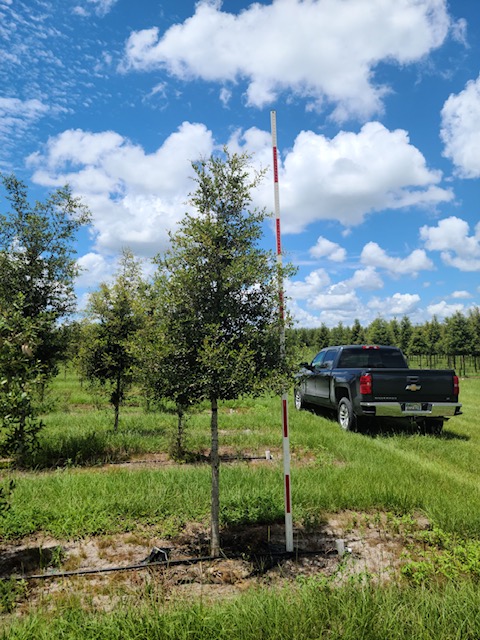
{"points": [[72, 495]]}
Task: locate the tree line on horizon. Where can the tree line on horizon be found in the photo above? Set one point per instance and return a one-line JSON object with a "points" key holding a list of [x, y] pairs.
{"points": [[453, 340]]}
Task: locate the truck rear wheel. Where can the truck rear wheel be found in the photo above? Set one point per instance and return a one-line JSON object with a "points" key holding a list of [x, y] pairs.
{"points": [[346, 418]]}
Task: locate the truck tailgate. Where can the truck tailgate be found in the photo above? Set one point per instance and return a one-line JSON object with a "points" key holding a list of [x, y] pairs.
{"points": [[413, 385]]}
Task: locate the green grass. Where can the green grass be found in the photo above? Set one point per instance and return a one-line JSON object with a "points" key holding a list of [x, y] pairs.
{"points": [[400, 472], [79, 427], [311, 611]]}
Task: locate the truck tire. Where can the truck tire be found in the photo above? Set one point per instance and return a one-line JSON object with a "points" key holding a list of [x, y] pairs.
{"points": [[346, 417], [298, 399]]}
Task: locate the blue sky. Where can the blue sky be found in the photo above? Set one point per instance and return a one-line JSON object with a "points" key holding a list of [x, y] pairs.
{"points": [[378, 116]]}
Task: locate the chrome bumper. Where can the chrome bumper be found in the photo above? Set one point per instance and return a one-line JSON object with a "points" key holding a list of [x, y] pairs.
{"points": [[404, 410]]}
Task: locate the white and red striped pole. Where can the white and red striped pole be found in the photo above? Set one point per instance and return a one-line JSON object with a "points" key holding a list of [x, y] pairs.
{"points": [[286, 436]]}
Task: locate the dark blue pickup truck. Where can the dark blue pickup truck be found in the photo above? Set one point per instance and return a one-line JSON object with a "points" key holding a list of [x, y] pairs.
{"points": [[368, 382]]}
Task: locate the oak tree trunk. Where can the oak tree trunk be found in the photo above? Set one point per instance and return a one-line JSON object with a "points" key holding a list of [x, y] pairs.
{"points": [[117, 400], [215, 463]]}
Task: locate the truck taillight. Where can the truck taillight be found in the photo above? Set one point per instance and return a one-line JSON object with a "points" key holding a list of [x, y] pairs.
{"points": [[456, 386], [366, 384]]}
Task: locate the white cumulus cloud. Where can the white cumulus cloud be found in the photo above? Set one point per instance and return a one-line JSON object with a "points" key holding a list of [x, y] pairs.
{"points": [[351, 175], [461, 129], [308, 288], [452, 238], [374, 256], [333, 300], [95, 268], [443, 310], [326, 249], [399, 304], [135, 197], [367, 278], [329, 49], [324, 302]]}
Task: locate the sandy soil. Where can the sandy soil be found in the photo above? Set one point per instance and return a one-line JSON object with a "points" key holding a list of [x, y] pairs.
{"points": [[253, 556]]}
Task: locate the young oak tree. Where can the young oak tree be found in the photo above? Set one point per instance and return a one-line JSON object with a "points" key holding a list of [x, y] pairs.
{"points": [[220, 296], [37, 273], [116, 314], [37, 259], [166, 363], [21, 377]]}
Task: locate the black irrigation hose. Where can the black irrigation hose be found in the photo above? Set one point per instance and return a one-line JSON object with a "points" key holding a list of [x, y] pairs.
{"points": [[206, 459], [164, 563], [130, 567]]}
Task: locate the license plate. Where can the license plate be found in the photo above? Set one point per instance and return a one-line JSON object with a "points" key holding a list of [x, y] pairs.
{"points": [[413, 406]]}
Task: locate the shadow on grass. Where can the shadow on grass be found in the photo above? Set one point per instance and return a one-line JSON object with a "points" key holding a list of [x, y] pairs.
{"points": [[78, 450], [451, 435], [391, 428], [257, 510], [28, 560], [388, 428]]}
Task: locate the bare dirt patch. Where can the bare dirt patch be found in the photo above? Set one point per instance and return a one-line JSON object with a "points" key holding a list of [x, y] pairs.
{"points": [[100, 569]]}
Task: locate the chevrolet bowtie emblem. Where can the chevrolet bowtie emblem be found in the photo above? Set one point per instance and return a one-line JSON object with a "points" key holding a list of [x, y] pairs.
{"points": [[413, 387]]}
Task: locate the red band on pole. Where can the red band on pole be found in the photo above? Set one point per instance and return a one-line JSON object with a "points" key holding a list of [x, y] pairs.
{"points": [[275, 165], [288, 506], [279, 240]]}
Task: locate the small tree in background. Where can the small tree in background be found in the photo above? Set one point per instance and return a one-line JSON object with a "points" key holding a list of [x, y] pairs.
{"points": [[220, 296], [418, 343], [358, 335], [433, 339], [458, 338], [474, 322], [379, 332], [115, 313], [405, 335], [395, 330], [166, 363], [340, 334]]}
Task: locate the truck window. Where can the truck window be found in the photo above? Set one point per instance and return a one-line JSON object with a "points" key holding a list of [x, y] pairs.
{"points": [[330, 356], [359, 358], [393, 359], [353, 359], [317, 361]]}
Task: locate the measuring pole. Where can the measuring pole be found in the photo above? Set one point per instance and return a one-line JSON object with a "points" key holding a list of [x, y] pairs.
{"points": [[286, 436]]}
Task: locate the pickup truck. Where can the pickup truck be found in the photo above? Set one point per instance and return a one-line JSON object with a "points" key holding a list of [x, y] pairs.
{"points": [[363, 383]]}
